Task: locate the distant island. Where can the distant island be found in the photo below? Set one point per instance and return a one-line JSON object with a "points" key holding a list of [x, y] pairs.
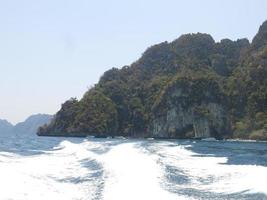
{"points": [[29, 127], [192, 87]]}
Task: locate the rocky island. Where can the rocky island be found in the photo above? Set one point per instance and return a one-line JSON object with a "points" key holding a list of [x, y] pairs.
{"points": [[192, 87], [28, 127]]}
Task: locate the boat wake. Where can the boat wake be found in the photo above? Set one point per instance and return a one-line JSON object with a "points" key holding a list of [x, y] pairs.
{"points": [[124, 169]]}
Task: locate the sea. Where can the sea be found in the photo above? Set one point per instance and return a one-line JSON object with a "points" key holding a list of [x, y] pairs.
{"points": [[58, 168]]}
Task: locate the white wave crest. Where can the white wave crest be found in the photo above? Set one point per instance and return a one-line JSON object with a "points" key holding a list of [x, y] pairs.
{"points": [[209, 173], [132, 174]]}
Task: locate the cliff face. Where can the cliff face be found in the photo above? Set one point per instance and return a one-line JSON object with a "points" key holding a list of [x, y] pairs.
{"points": [[188, 123], [191, 87], [191, 107]]}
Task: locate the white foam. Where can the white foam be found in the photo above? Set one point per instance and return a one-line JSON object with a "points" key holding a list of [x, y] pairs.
{"points": [[38, 177], [225, 178], [129, 173], [132, 174]]}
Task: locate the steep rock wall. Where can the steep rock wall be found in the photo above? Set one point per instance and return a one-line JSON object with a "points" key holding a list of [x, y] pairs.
{"points": [[182, 113], [184, 123]]}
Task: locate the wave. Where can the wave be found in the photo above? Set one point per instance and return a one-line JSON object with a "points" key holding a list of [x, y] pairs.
{"points": [[132, 174], [104, 169], [57, 174], [212, 176]]}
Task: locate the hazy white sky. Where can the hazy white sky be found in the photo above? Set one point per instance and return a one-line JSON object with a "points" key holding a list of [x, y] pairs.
{"points": [[54, 49]]}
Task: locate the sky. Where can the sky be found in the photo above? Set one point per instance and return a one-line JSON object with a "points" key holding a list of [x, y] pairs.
{"points": [[51, 50]]}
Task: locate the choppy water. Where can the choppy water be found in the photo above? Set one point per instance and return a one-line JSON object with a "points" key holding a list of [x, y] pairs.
{"points": [[111, 169]]}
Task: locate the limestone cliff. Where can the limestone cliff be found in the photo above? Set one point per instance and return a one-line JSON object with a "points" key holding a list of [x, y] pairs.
{"points": [[189, 88], [191, 107]]}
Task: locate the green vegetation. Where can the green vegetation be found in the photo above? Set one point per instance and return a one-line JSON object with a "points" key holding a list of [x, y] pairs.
{"points": [[191, 72]]}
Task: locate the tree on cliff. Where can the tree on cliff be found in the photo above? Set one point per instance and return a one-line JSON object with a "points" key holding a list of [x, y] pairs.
{"points": [[226, 80]]}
